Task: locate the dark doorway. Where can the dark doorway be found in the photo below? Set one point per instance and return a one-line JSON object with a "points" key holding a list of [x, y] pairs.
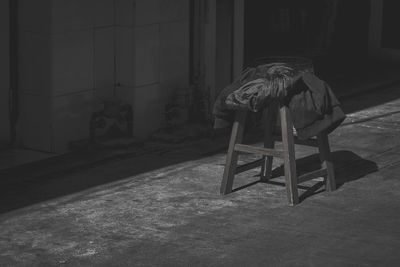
{"points": [[350, 37], [391, 22], [312, 28]]}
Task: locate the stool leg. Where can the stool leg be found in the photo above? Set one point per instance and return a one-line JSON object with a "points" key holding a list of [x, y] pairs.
{"points": [[326, 161], [269, 142], [232, 155], [289, 156]]}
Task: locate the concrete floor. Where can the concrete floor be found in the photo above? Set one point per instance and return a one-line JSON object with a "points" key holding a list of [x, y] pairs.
{"points": [[164, 209]]}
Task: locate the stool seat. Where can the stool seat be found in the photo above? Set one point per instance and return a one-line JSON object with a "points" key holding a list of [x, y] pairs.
{"points": [[268, 152]]}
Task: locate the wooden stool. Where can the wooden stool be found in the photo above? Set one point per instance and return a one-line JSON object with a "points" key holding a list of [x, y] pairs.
{"points": [[268, 152]]}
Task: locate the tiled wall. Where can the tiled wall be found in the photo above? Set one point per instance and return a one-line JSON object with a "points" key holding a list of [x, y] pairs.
{"points": [[160, 30], [74, 53], [4, 72]]}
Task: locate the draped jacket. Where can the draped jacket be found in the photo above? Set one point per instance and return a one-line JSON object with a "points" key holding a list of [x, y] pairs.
{"points": [[312, 104]]}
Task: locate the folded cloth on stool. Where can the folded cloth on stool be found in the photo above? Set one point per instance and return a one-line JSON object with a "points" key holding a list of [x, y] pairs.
{"points": [[312, 104]]}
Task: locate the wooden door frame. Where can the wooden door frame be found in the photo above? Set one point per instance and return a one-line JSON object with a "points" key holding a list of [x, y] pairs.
{"points": [[238, 37], [204, 45], [375, 48], [13, 91]]}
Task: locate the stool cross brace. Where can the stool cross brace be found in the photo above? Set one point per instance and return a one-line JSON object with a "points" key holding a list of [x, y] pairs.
{"points": [[268, 153]]}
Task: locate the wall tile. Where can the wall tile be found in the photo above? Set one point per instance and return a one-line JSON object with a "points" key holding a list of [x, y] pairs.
{"points": [[101, 94], [147, 54], [34, 63], [148, 108], [4, 16], [104, 57], [125, 12], [34, 15], [71, 15], [64, 15], [72, 62], [125, 56], [103, 13], [70, 119], [125, 94], [173, 10], [147, 11], [174, 56], [34, 125]]}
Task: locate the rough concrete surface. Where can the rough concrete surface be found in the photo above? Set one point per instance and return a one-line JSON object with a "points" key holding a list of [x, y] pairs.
{"points": [[174, 216]]}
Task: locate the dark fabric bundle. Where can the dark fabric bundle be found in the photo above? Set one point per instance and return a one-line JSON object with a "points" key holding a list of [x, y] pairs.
{"points": [[258, 93], [312, 104], [274, 72]]}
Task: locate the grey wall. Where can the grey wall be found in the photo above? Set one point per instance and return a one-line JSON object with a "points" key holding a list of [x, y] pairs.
{"points": [[74, 54], [4, 72]]}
